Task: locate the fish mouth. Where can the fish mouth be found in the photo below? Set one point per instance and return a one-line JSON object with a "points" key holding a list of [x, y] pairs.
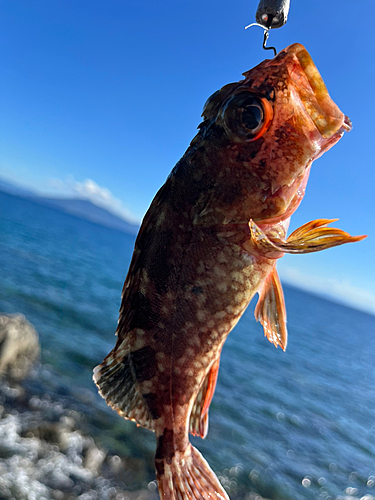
{"points": [[325, 114]]}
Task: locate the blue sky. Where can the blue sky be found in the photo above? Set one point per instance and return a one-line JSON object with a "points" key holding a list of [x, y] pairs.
{"points": [[102, 99]]}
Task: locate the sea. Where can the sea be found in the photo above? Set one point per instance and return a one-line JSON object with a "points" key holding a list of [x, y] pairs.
{"points": [[287, 425]]}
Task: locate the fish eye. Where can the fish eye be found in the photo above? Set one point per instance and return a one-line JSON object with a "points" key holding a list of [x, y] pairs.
{"points": [[246, 116], [252, 116]]}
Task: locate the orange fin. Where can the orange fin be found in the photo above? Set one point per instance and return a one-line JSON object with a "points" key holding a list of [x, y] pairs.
{"points": [[315, 236], [270, 310], [187, 476], [199, 413], [117, 384], [311, 237]]}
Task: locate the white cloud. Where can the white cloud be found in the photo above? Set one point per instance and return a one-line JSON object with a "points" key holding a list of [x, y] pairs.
{"points": [[90, 190], [338, 289]]}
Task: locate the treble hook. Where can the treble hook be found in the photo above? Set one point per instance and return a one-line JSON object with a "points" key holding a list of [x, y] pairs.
{"points": [[266, 35]]}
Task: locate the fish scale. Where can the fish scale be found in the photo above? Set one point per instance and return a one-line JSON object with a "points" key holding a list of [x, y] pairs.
{"points": [[208, 243]]}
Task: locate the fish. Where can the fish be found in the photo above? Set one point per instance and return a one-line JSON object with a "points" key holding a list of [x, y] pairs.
{"points": [[208, 243]]}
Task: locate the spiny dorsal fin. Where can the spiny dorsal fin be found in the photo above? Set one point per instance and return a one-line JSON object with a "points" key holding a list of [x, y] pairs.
{"points": [[199, 412], [271, 312]]}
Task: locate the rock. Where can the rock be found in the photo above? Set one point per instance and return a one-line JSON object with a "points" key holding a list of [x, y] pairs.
{"points": [[94, 459], [19, 346], [46, 455]]}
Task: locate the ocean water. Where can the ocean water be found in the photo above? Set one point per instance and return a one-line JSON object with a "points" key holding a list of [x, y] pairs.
{"points": [[287, 426]]}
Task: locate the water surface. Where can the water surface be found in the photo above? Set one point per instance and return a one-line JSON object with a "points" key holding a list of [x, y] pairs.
{"points": [[294, 425]]}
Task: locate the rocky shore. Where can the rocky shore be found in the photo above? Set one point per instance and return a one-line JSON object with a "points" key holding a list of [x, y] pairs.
{"points": [[45, 452]]}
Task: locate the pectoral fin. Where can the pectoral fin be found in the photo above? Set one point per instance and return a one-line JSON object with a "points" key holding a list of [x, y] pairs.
{"points": [[315, 236], [270, 310], [311, 237]]}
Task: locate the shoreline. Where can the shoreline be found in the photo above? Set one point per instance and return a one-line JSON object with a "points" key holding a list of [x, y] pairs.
{"points": [[46, 453]]}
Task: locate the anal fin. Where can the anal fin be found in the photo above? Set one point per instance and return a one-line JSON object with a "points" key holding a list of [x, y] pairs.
{"points": [[199, 413], [270, 310], [117, 384]]}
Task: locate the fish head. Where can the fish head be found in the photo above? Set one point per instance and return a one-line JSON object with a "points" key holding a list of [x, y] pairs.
{"points": [[269, 128]]}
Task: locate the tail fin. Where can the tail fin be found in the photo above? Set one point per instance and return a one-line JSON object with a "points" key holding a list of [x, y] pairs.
{"points": [[187, 476]]}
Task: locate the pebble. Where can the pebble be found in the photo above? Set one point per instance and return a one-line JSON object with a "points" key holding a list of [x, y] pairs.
{"points": [[46, 456]]}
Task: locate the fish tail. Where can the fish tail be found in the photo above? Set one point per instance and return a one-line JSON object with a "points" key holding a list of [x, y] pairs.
{"points": [[187, 476]]}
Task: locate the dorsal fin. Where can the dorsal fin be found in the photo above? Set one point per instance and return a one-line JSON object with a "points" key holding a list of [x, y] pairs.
{"points": [[271, 312], [199, 412], [117, 382]]}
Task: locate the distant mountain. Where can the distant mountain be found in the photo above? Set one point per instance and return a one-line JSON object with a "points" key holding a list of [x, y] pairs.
{"points": [[85, 209], [82, 208], [7, 187]]}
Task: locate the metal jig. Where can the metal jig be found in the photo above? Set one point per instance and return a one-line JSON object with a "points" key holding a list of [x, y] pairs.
{"points": [[266, 35], [271, 14]]}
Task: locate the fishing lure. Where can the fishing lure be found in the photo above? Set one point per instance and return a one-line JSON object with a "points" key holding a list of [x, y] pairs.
{"points": [[271, 14]]}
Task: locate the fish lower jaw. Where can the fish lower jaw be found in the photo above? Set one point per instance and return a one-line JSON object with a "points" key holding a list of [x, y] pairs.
{"points": [[326, 144], [347, 125]]}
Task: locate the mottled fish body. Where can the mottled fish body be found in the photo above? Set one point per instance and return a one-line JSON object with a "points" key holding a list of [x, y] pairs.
{"points": [[210, 241]]}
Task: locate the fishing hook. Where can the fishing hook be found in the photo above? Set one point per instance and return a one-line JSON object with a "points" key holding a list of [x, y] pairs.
{"points": [[266, 35], [265, 38]]}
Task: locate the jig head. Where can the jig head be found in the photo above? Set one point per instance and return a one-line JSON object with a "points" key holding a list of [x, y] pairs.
{"points": [[271, 14]]}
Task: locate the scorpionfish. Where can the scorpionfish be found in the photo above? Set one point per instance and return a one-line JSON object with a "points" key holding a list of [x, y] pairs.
{"points": [[208, 243]]}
